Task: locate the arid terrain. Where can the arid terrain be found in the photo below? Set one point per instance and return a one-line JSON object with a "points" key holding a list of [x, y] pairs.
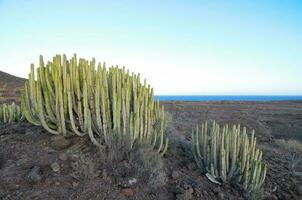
{"points": [[37, 165]]}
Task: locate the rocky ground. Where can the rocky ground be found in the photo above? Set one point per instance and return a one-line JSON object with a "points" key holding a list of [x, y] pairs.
{"points": [[36, 165]]}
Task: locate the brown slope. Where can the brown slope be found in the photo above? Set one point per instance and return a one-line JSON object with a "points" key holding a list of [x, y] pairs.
{"points": [[10, 87]]}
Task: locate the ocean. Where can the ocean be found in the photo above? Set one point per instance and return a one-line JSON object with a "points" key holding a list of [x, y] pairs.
{"points": [[227, 98]]}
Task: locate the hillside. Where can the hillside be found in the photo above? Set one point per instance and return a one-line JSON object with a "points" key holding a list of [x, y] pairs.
{"points": [[10, 87]]}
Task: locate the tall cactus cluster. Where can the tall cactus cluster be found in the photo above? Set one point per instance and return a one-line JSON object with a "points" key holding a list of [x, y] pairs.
{"points": [[228, 154], [10, 113], [79, 97]]}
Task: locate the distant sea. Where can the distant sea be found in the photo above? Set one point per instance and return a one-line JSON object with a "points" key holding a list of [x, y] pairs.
{"points": [[226, 98]]}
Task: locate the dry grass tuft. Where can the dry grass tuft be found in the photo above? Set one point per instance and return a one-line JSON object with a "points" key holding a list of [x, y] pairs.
{"points": [[148, 164], [140, 162], [294, 151]]}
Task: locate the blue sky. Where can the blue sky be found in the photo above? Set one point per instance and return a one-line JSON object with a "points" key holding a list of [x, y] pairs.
{"points": [[181, 47]]}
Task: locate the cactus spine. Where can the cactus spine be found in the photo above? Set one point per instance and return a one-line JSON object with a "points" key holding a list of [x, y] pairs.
{"points": [[10, 113], [227, 155], [76, 97]]}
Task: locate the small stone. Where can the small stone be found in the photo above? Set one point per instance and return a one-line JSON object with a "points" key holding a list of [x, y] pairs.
{"points": [[191, 166], [50, 150], [34, 175], [57, 183], [217, 190], [219, 193], [220, 196], [24, 163], [58, 142], [186, 195], [29, 132], [132, 181], [180, 197], [175, 174], [299, 189], [21, 161], [55, 167], [122, 183], [186, 186], [285, 195], [105, 176], [127, 192], [74, 157], [44, 161], [75, 184], [63, 156], [269, 196]]}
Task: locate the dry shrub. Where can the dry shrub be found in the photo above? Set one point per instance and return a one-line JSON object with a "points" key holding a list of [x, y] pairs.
{"points": [[168, 117], [125, 160], [294, 151], [148, 164], [117, 149]]}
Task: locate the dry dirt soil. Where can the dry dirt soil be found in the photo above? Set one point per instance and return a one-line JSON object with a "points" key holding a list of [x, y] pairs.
{"points": [[37, 165]]}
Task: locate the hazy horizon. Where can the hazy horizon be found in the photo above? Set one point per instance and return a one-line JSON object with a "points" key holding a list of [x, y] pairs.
{"points": [[192, 48]]}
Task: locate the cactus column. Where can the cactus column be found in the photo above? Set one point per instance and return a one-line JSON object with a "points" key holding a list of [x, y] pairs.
{"points": [[228, 154], [10, 113], [76, 97]]}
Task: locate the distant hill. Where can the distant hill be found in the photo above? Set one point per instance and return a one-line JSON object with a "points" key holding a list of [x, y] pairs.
{"points": [[10, 87]]}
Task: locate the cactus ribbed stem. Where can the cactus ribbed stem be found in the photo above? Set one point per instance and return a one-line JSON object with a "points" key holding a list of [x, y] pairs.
{"points": [[10, 113], [229, 155]]}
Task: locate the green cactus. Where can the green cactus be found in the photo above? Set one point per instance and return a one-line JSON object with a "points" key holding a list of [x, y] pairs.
{"points": [[10, 113], [228, 154], [76, 97]]}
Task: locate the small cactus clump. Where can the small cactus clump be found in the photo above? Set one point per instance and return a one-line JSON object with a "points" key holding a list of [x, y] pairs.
{"points": [[79, 97], [10, 113], [228, 154]]}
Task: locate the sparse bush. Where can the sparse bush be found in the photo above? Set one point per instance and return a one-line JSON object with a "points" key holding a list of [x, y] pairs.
{"points": [[73, 97], [228, 155], [294, 151], [149, 165], [140, 162], [10, 113], [118, 149]]}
